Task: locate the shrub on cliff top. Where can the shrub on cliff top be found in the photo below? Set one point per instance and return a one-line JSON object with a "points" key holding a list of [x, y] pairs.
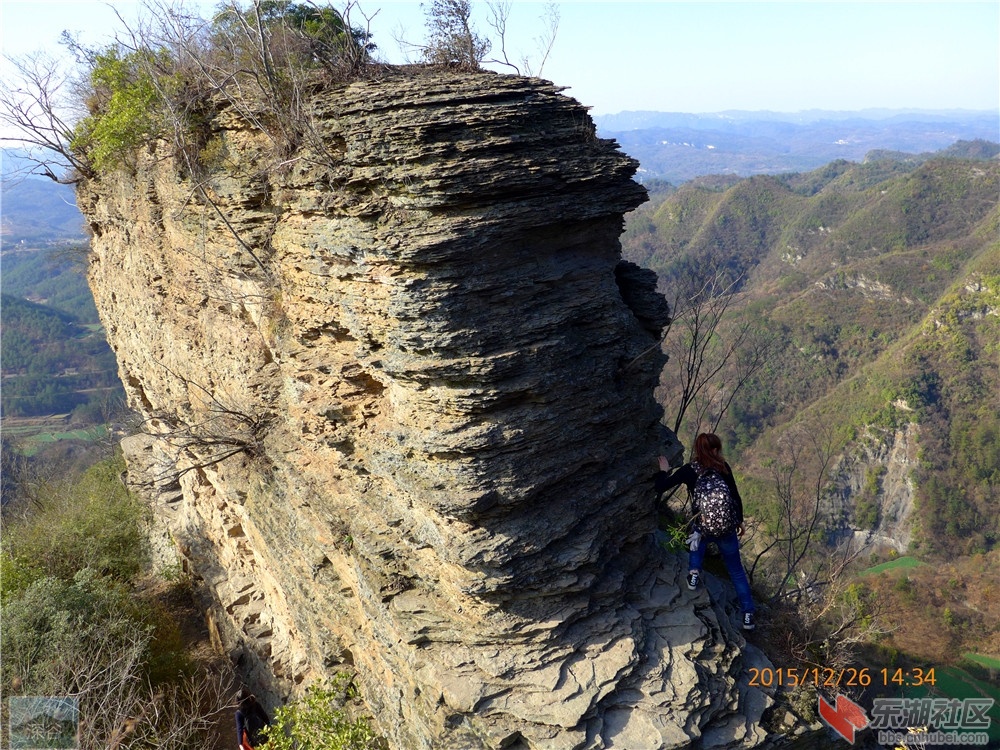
{"points": [[263, 59], [296, 36], [451, 38], [123, 107], [167, 77]]}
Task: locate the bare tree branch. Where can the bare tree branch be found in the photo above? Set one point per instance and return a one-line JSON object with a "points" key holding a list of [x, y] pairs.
{"points": [[712, 355], [35, 102], [550, 29], [549, 20], [499, 13], [224, 431]]}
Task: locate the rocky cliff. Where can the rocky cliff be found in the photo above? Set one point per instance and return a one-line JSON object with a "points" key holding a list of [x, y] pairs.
{"points": [[399, 416], [878, 471]]}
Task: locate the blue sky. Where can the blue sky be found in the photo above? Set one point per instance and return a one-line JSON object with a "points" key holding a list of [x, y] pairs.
{"points": [[688, 56]]}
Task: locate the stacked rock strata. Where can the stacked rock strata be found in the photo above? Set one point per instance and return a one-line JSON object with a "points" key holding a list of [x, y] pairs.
{"points": [[398, 393]]}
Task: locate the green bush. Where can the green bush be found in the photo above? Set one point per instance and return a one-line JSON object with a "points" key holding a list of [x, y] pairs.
{"points": [[259, 59], [803, 702], [55, 629], [124, 108], [320, 721], [94, 523], [75, 622], [68, 568], [676, 536], [92, 639]]}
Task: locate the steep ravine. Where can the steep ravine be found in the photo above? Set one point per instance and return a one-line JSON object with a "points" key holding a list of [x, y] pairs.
{"points": [[431, 379]]}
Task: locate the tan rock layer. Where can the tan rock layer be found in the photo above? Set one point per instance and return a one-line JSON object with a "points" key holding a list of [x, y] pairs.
{"points": [[407, 384]]}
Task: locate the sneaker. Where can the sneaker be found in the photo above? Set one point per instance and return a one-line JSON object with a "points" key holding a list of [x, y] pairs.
{"points": [[693, 578], [748, 623]]}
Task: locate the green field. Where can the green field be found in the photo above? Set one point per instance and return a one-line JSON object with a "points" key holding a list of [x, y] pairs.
{"points": [[31, 435], [955, 682], [898, 563], [88, 433], [989, 662]]}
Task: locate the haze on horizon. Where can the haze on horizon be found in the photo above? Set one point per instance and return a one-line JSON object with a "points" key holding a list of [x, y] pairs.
{"points": [[696, 57]]}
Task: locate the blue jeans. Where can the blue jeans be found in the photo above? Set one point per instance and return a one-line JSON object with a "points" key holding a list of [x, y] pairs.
{"points": [[729, 546]]}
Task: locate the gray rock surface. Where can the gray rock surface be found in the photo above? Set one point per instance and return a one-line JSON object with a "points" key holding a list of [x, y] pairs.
{"points": [[397, 421]]}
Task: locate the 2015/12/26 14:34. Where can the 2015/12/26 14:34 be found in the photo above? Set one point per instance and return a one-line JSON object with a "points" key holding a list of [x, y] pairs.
{"points": [[845, 677]]}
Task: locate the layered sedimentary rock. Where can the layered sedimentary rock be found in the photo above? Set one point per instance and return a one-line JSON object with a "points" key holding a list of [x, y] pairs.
{"points": [[399, 415]]}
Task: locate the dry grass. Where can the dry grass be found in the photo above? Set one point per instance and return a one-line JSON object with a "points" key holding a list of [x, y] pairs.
{"points": [[941, 611]]}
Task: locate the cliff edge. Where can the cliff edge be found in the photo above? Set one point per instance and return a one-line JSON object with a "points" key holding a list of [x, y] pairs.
{"points": [[398, 400]]}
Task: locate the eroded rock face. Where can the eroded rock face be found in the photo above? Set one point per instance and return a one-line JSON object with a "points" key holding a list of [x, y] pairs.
{"points": [[888, 457], [407, 386]]}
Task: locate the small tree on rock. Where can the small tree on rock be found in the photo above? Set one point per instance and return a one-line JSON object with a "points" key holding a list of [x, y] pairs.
{"points": [[451, 38]]}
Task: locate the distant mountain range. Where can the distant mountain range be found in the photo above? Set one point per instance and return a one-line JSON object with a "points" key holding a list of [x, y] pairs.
{"points": [[677, 147], [36, 211]]}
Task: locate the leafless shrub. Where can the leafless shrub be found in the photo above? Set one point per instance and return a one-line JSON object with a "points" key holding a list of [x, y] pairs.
{"points": [[712, 356], [222, 430], [39, 102], [549, 22]]}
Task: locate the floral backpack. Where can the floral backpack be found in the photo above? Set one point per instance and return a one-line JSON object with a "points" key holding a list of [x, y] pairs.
{"points": [[713, 504]]}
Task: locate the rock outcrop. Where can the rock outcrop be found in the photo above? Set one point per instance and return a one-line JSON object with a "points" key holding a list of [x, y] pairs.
{"points": [[398, 392], [888, 458]]}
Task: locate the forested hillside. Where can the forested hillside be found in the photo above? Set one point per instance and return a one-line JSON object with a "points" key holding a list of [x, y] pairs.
{"points": [[876, 286], [54, 354], [38, 211], [52, 364], [52, 277]]}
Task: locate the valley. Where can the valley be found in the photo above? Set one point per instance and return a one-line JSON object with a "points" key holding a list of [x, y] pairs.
{"points": [[874, 289]]}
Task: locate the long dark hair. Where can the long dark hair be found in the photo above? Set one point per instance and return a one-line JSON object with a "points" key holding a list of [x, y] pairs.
{"points": [[708, 452]]}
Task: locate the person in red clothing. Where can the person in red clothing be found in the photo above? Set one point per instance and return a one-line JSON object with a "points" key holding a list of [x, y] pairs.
{"points": [[250, 721], [708, 457]]}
